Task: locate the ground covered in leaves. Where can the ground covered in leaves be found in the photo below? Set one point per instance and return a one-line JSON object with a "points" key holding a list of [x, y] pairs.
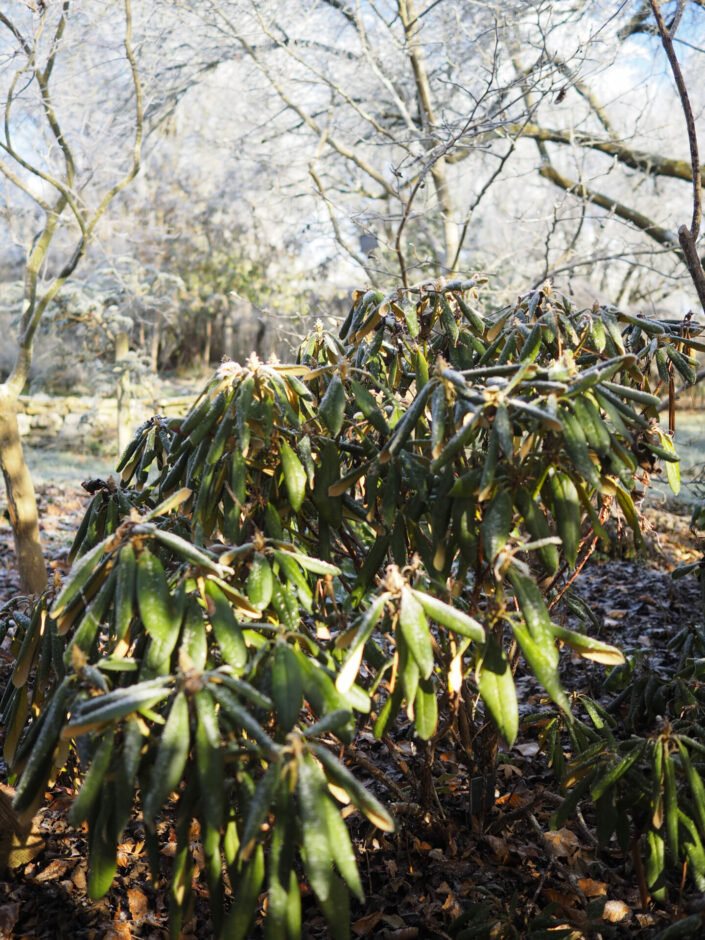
{"points": [[496, 858]]}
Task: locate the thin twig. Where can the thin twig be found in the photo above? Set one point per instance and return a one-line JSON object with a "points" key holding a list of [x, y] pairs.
{"points": [[571, 878], [371, 768], [684, 388]]}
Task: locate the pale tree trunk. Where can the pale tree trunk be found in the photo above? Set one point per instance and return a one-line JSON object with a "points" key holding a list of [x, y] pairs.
{"points": [[38, 293], [122, 348], [207, 346], [228, 333], [156, 340], [439, 171], [21, 500]]}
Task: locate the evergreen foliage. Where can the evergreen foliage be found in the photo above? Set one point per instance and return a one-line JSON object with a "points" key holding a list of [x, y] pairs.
{"points": [[375, 533]]}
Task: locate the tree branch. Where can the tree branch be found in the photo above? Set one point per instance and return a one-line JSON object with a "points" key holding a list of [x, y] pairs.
{"points": [[42, 78], [34, 309], [359, 259], [587, 94], [651, 164], [695, 268], [43, 81], [439, 175], [660, 235], [26, 48], [332, 142], [687, 238], [667, 43], [476, 201]]}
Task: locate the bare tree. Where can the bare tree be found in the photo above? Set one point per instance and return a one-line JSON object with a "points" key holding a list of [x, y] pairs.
{"points": [[642, 179], [442, 132], [383, 98], [64, 188]]}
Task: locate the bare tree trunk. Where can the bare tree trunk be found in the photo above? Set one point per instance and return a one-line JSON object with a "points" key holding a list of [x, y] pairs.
{"points": [[122, 348], [410, 22], [207, 346], [39, 292], [228, 339], [156, 339], [21, 500]]}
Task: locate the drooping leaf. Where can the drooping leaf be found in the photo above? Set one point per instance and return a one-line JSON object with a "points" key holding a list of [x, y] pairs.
{"points": [[496, 685]]}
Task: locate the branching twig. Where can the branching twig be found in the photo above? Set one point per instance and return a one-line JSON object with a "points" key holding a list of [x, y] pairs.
{"points": [[353, 755], [640, 221]]}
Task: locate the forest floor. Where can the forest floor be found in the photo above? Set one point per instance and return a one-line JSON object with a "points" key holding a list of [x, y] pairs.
{"points": [[446, 857]]}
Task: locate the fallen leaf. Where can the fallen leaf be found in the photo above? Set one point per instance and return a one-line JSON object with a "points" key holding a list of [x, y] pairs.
{"points": [[54, 870], [138, 903], [592, 888], [616, 911], [527, 749], [562, 842], [565, 901], [8, 917], [498, 846], [118, 931], [365, 925], [78, 876]]}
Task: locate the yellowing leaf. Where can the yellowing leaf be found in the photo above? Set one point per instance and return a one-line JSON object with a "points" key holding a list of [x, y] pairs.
{"points": [[588, 647]]}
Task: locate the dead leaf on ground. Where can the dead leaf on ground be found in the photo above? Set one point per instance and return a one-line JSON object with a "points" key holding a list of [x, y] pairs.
{"points": [[592, 888], [527, 748], [566, 902], [498, 846], [365, 925], [616, 911], [8, 917], [53, 871], [118, 931], [562, 842], [78, 876], [138, 903]]}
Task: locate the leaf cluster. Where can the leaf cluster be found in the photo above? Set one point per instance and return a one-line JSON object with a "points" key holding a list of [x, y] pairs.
{"points": [[372, 533]]}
